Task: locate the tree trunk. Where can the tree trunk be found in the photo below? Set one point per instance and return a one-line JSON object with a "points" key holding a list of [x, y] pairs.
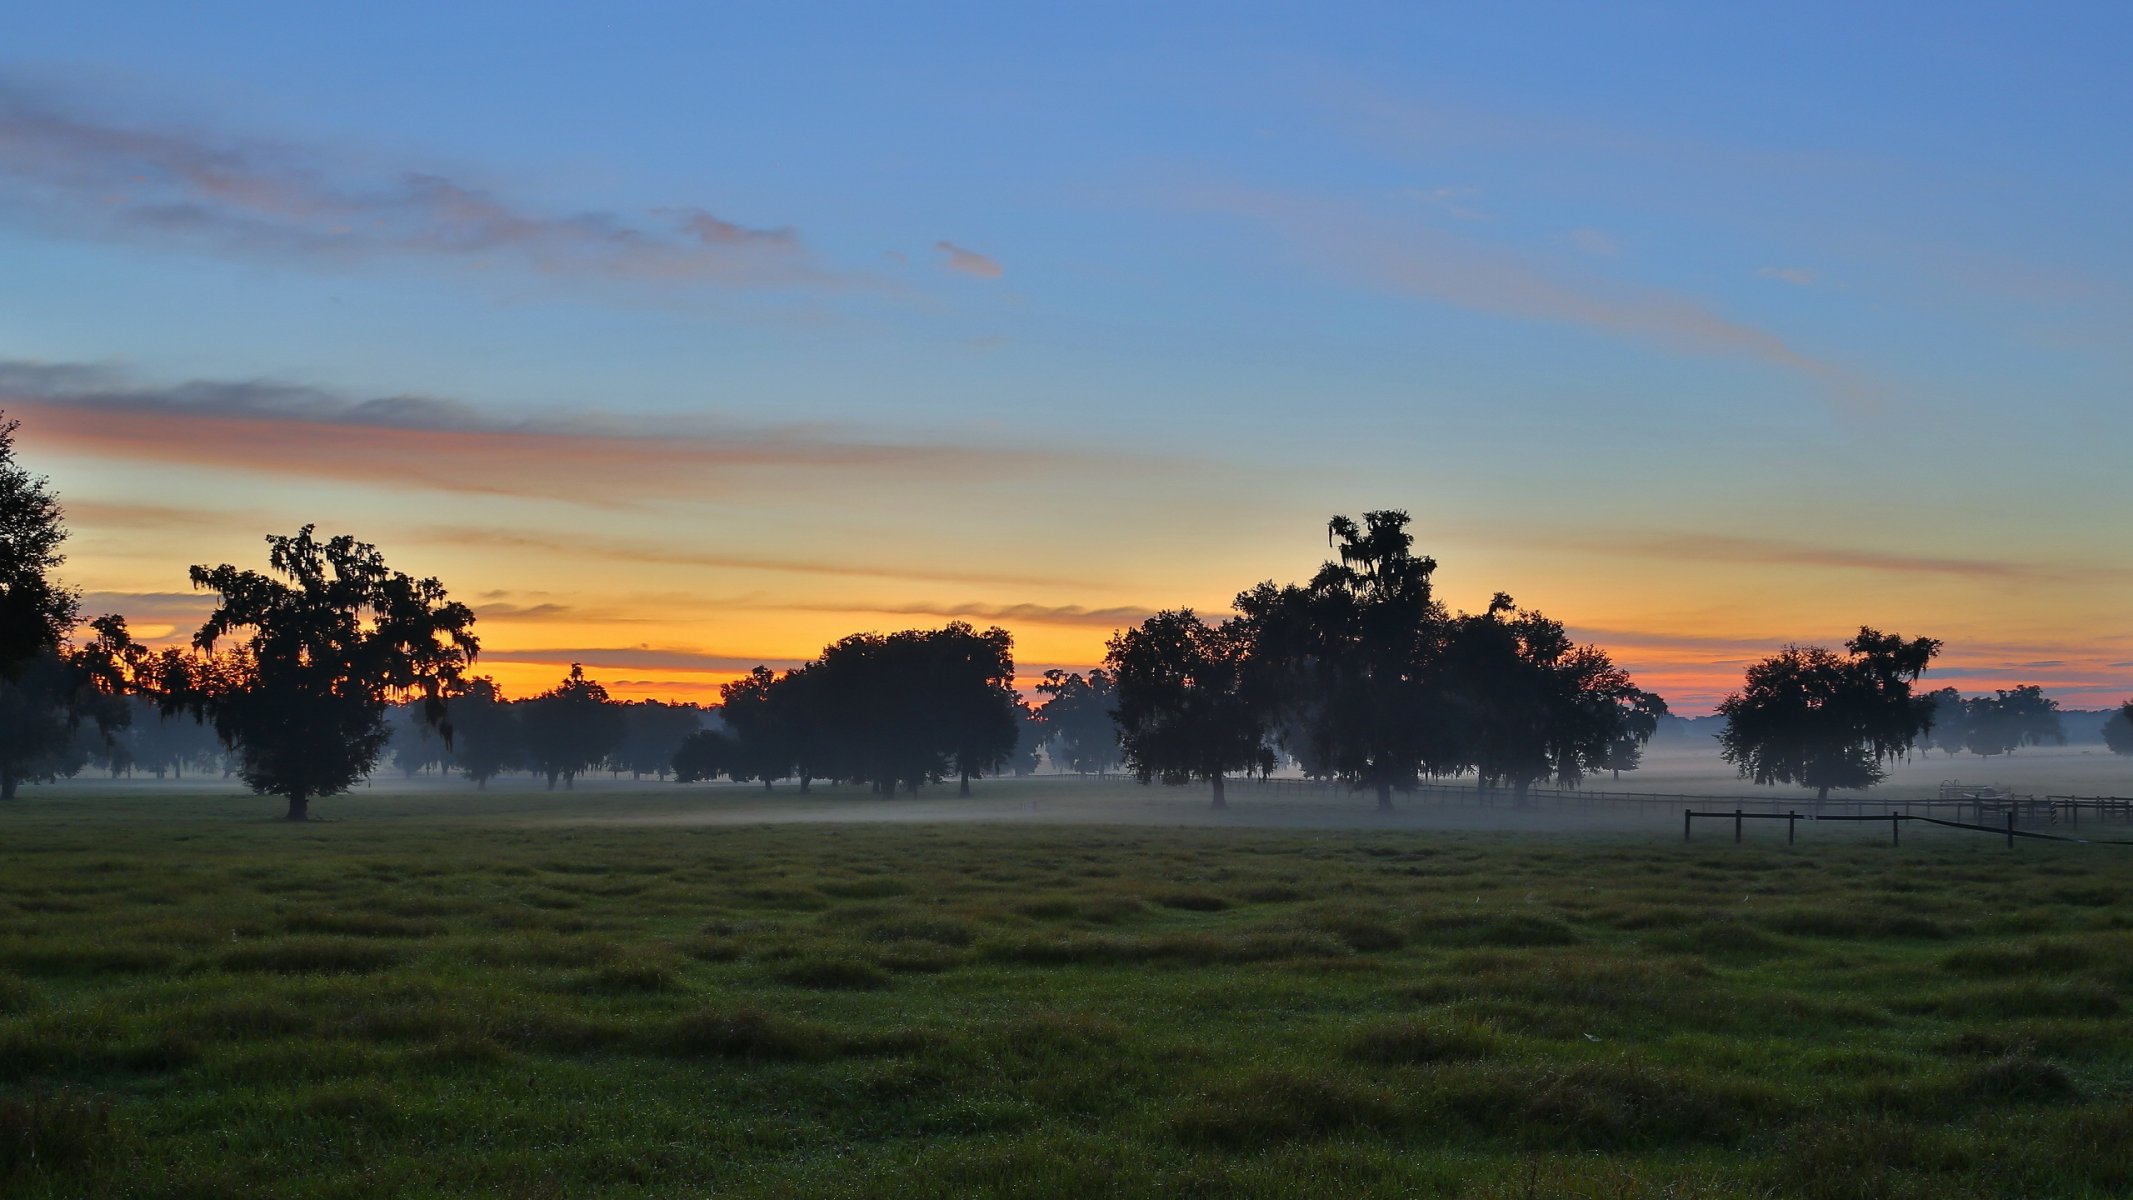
{"points": [[1384, 796], [299, 807], [965, 790], [806, 784], [767, 782], [8, 784], [1518, 793], [1221, 801]]}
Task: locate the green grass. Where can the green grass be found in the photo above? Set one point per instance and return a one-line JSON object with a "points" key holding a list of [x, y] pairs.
{"points": [[460, 996]]}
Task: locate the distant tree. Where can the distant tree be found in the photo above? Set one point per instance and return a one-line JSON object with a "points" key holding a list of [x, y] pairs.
{"points": [[412, 745], [1029, 740], [1535, 705], [487, 737], [1639, 721], [1948, 717], [1184, 712], [1352, 660], [2118, 729], [651, 731], [1810, 717], [969, 689], [325, 648], [2010, 719], [762, 720], [703, 755], [1077, 720], [570, 728]]}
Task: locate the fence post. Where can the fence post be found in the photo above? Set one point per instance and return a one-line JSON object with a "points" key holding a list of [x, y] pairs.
{"points": [[1792, 827], [1895, 830], [1686, 813], [1736, 826], [2010, 827]]}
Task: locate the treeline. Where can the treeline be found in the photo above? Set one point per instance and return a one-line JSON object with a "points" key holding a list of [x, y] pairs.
{"points": [[307, 673], [570, 730]]}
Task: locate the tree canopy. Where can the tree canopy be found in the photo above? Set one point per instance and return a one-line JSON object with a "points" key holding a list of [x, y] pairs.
{"points": [[2118, 729], [1184, 711], [295, 667], [1810, 717]]}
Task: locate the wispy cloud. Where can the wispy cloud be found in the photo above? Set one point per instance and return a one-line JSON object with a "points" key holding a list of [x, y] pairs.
{"points": [[1414, 259], [1452, 202], [1036, 614], [441, 444], [609, 550], [642, 657], [969, 262], [1775, 552], [66, 167], [1796, 276]]}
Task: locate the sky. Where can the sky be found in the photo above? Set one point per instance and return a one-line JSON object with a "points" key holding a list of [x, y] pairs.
{"points": [[678, 338]]}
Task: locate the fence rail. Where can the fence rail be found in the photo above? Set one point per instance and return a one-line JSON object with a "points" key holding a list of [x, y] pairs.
{"points": [[1988, 807], [1896, 822]]}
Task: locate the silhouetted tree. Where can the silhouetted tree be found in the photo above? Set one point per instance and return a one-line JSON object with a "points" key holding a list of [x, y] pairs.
{"points": [[2118, 729], [651, 731], [703, 755], [2012, 718], [969, 690], [1029, 739], [1183, 711], [47, 687], [1352, 660], [1640, 716], [302, 697], [1809, 717], [762, 714], [570, 728], [1534, 706], [487, 736], [1948, 721], [1077, 719]]}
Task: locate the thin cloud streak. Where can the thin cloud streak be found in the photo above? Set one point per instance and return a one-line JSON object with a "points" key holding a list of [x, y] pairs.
{"points": [[1039, 614], [969, 262], [1433, 264], [569, 548], [66, 168], [447, 446]]}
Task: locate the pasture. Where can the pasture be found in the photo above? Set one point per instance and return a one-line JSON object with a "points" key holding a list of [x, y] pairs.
{"points": [[654, 991]]}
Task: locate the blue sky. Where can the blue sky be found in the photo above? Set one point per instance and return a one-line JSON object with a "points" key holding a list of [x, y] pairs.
{"points": [[1703, 328]]}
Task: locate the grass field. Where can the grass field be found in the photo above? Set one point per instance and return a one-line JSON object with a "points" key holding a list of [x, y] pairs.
{"points": [[624, 992]]}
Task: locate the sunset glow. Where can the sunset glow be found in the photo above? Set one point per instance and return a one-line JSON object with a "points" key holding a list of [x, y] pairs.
{"points": [[684, 362]]}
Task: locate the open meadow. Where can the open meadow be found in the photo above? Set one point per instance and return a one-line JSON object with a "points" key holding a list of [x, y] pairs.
{"points": [[657, 991]]}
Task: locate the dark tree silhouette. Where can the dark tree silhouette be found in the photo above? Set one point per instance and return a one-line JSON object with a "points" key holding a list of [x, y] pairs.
{"points": [[2010, 719], [1184, 712], [302, 697], [47, 687], [1948, 721], [1077, 720], [487, 738], [570, 728], [1535, 706], [762, 717], [703, 755], [1809, 717], [969, 688], [1640, 714], [1352, 659], [1029, 739], [651, 731], [37, 612], [2118, 729]]}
